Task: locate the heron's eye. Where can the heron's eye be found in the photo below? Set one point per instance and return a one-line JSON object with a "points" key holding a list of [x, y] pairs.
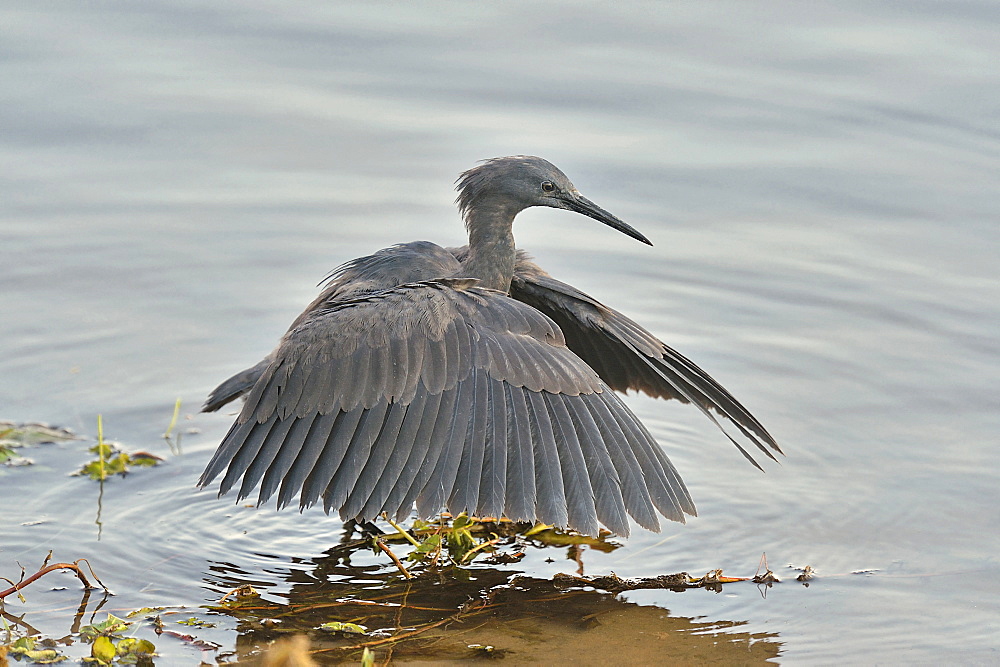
{"points": [[548, 186]]}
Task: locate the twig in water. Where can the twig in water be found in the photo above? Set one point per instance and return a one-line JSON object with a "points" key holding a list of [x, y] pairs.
{"points": [[400, 530], [395, 560], [242, 591], [765, 577], [75, 566]]}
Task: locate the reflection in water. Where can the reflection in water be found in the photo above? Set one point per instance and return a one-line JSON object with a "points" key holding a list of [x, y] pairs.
{"points": [[452, 614], [78, 616], [100, 507], [82, 609]]}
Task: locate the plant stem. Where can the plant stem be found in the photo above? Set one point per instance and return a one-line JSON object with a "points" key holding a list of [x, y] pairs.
{"points": [[100, 443], [173, 420], [400, 530]]}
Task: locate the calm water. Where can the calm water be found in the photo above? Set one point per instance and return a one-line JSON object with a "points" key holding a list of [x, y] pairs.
{"points": [[820, 181]]}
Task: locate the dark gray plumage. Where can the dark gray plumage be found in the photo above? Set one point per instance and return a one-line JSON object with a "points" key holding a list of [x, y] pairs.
{"points": [[470, 380]]}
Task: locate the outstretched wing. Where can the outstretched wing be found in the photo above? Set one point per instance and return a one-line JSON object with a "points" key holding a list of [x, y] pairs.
{"points": [[387, 268], [626, 356], [447, 395]]}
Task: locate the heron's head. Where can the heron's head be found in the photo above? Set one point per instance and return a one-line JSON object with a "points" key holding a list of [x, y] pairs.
{"points": [[512, 184]]}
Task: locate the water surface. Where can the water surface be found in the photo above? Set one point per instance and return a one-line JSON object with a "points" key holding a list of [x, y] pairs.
{"points": [[819, 182]]}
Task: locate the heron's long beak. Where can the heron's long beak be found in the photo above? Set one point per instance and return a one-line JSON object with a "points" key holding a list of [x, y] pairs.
{"points": [[580, 204]]}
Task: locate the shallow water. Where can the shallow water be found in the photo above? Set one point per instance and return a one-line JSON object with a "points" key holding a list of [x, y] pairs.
{"points": [[819, 182]]}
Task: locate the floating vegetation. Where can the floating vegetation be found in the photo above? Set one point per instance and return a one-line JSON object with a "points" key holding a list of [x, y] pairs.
{"points": [[109, 646], [15, 437], [457, 541], [33, 650], [239, 596], [9, 457], [454, 541], [33, 433], [109, 642], [112, 460], [344, 627]]}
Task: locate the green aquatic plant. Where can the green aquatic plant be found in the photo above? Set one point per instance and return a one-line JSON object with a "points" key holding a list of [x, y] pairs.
{"points": [[344, 627], [7, 454], [459, 540], [32, 650], [109, 646], [32, 433], [112, 626], [174, 441], [173, 420], [112, 460], [453, 539], [14, 437], [145, 611]]}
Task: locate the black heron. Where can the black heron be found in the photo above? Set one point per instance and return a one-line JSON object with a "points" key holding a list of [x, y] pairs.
{"points": [[468, 379]]}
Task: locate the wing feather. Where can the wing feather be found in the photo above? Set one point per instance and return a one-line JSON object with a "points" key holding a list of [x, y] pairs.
{"points": [[626, 356], [413, 443], [289, 446], [519, 501], [329, 459], [493, 482], [248, 448], [576, 480], [635, 493], [265, 455], [465, 492], [431, 498], [463, 354], [603, 476], [550, 495], [414, 359], [434, 372], [385, 447], [444, 394], [376, 387], [227, 451], [405, 494], [263, 399], [397, 369], [312, 448], [413, 434], [666, 488], [369, 427]]}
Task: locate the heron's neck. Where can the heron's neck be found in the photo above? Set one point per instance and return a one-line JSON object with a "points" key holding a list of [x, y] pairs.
{"points": [[491, 248]]}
